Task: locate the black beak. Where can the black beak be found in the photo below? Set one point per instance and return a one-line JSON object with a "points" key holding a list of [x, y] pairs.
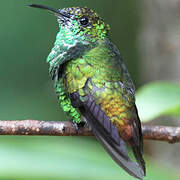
{"points": [[50, 9]]}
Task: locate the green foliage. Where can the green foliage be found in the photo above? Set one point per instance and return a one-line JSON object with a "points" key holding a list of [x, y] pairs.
{"points": [[158, 99], [65, 158]]}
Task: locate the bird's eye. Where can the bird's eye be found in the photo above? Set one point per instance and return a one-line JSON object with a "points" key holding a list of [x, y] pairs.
{"points": [[84, 21]]}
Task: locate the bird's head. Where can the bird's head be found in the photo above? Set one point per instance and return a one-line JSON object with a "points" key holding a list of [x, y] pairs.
{"points": [[79, 23]]}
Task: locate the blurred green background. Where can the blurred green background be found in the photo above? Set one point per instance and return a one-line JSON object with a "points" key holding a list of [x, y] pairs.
{"points": [[26, 37]]}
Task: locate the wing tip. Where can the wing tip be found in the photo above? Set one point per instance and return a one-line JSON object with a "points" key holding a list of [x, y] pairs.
{"points": [[139, 157], [132, 168]]}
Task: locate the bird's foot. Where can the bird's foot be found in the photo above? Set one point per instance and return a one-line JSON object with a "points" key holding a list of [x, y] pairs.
{"points": [[75, 125], [82, 124], [85, 123]]}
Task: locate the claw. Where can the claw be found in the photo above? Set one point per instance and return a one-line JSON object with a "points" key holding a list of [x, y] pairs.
{"points": [[75, 126]]}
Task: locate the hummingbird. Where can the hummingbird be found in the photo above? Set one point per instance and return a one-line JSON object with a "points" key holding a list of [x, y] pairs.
{"points": [[93, 85]]}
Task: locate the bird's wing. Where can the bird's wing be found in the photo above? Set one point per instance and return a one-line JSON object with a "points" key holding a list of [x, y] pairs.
{"points": [[107, 133], [100, 87]]}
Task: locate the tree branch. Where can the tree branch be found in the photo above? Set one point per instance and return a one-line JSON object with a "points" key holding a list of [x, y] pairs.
{"points": [[161, 133], [68, 128]]}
